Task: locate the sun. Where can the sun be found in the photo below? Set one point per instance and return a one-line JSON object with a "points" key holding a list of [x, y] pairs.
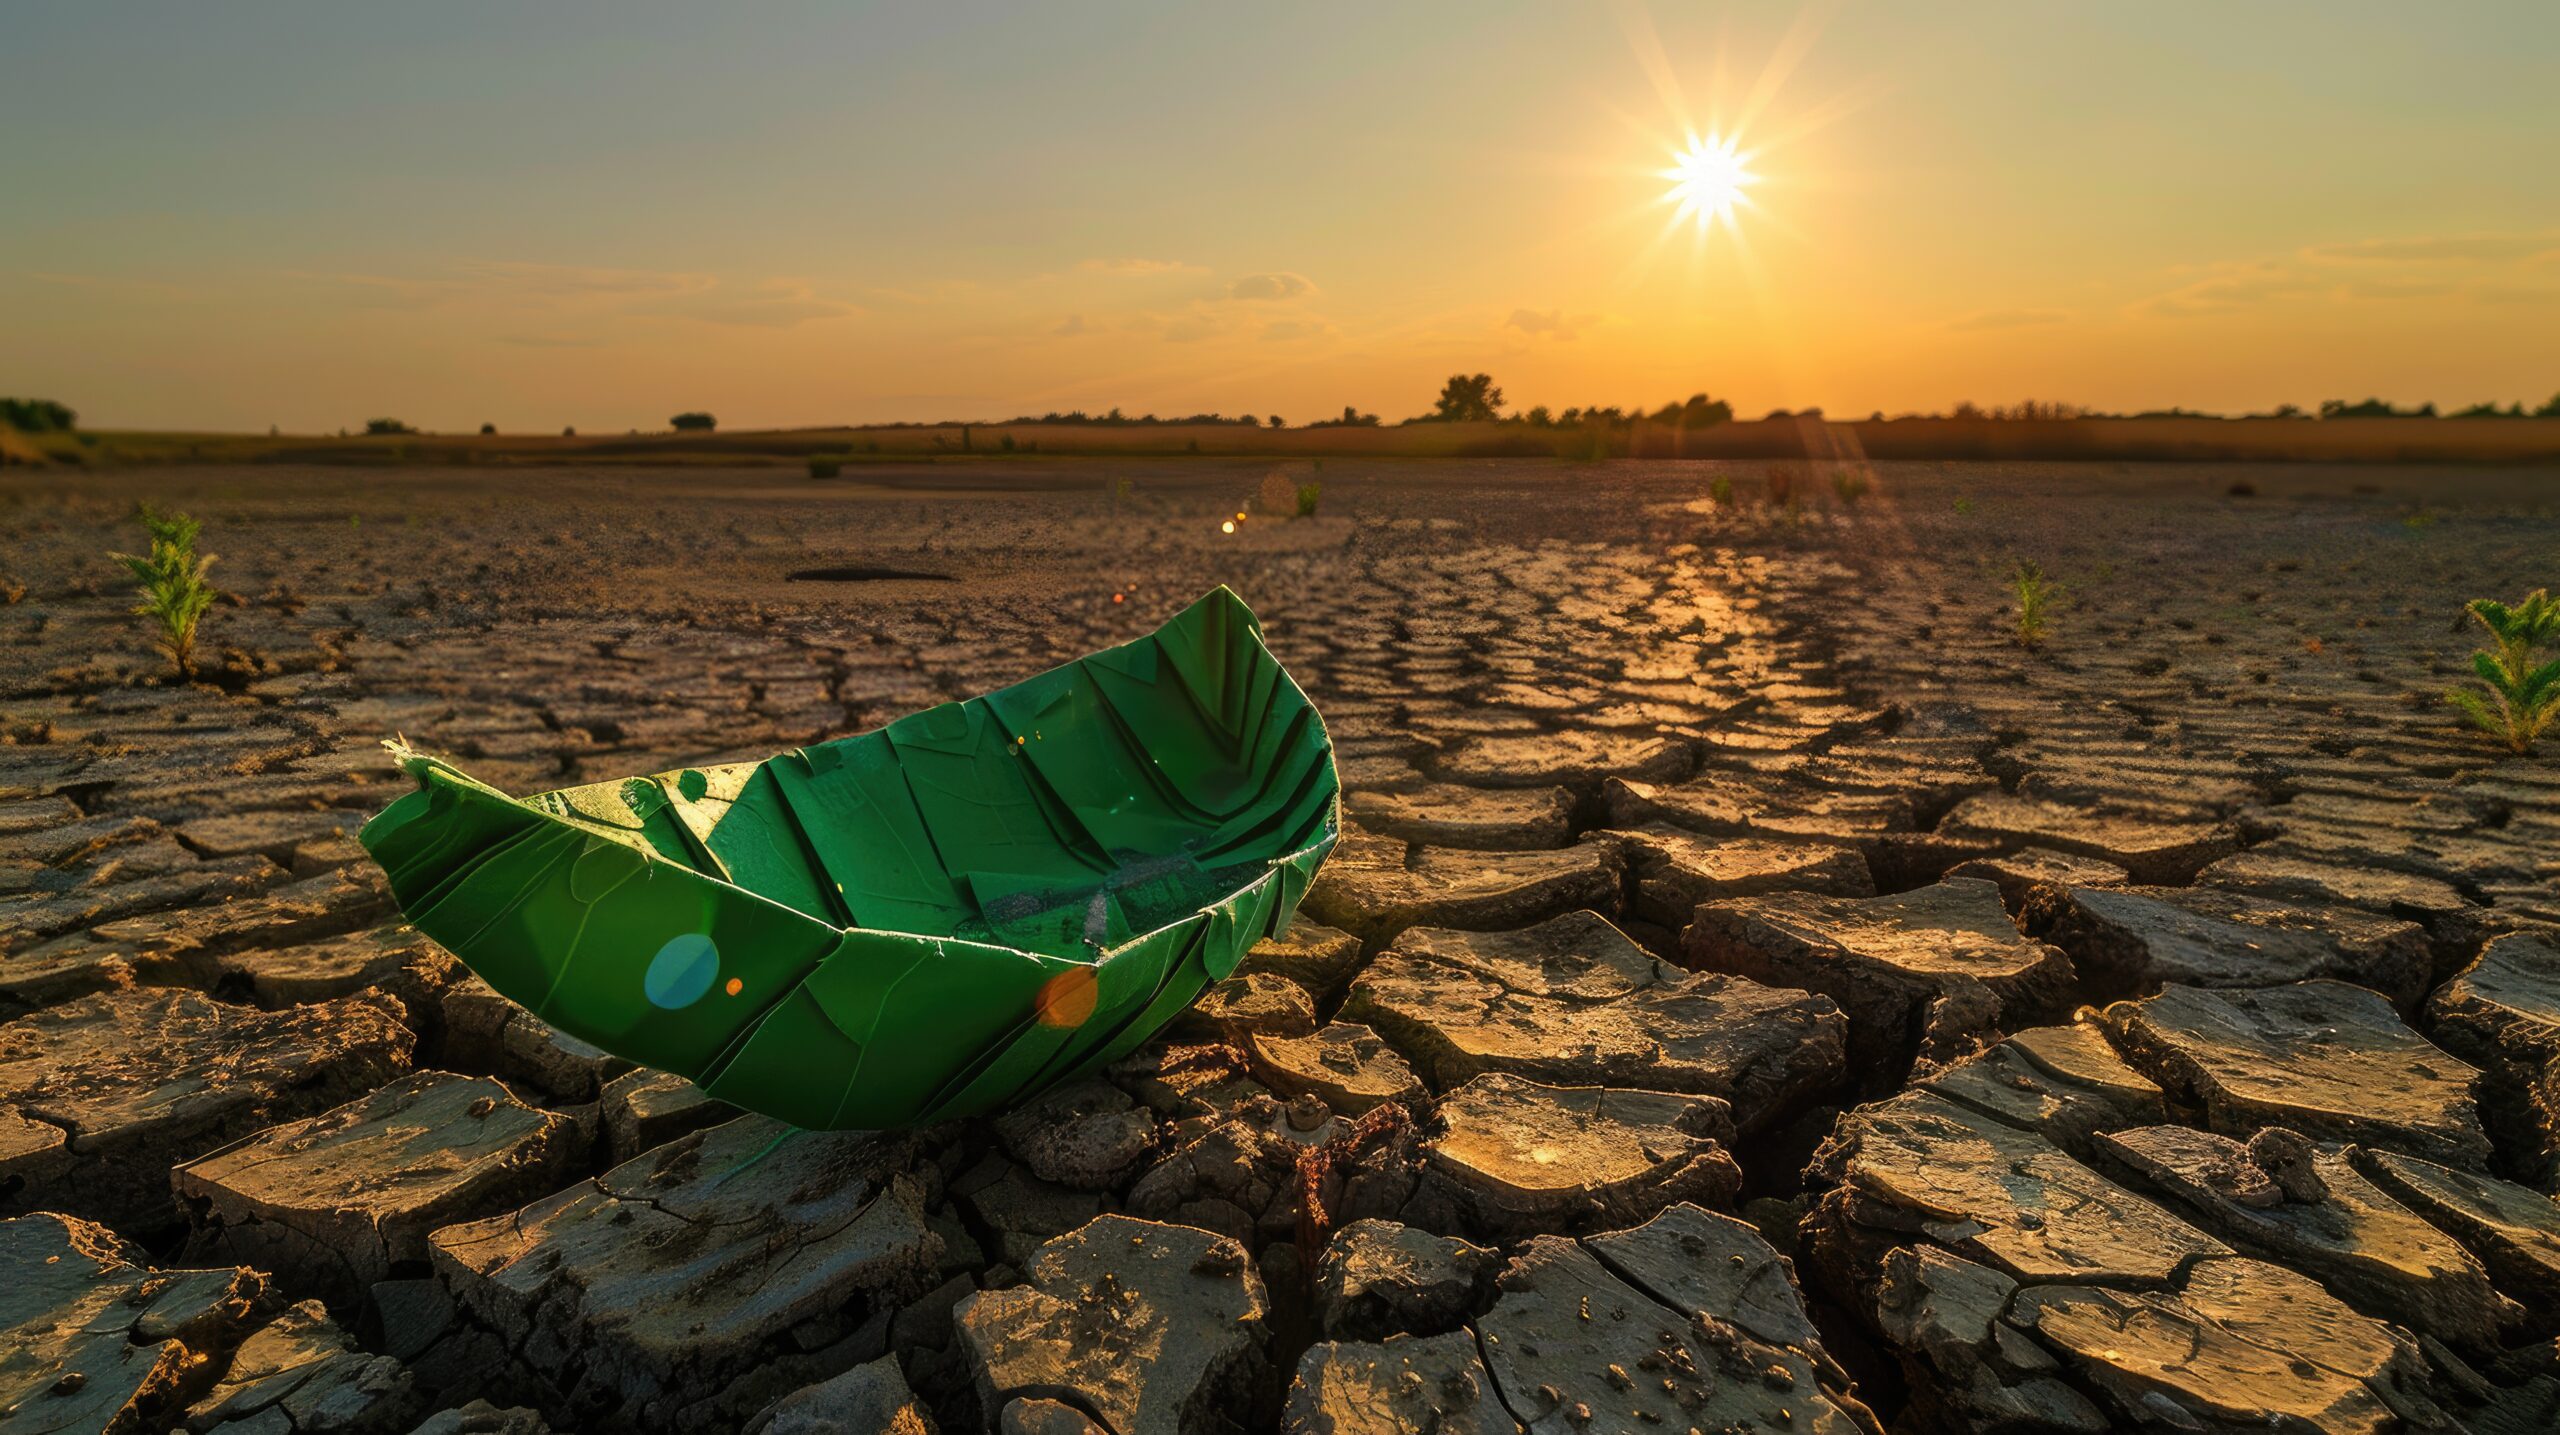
{"points": [[1708, 180]]}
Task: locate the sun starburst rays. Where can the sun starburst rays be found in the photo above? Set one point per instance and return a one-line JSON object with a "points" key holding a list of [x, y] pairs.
{"points": [[1709, 180]]}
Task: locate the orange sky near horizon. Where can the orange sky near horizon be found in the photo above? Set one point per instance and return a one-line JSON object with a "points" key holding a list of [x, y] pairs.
{"points": [[597, 216]]}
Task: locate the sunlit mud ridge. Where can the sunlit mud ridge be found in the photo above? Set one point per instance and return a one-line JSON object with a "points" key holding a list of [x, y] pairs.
{"points": [[1753, 990]]}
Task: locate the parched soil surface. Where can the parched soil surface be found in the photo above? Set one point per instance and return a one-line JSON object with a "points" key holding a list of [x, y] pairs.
{"points": [[1753, 991]]}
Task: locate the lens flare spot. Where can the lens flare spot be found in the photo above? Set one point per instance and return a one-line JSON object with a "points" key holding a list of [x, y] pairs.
{"points": [[735, 986], [1227, 527], [681, 972], [1067, 999]]}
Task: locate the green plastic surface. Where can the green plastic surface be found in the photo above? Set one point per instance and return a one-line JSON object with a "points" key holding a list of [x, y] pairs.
{"points": [[935, 919]]}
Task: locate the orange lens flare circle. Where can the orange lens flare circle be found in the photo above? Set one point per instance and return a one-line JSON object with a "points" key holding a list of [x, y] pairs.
{"points": [[1067, 999]]}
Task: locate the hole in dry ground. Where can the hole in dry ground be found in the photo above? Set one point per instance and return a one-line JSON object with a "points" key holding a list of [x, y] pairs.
{"points": [[865, 575]]}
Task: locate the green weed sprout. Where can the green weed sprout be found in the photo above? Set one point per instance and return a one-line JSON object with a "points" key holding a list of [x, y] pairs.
{"points": [[2516, 699], [1308, 493], [1720, 492], [1850, 484], [171, 582], [2036, 596]]}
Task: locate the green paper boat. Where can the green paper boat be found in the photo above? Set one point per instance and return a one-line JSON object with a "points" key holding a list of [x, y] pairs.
{"points": [[939, 918]]}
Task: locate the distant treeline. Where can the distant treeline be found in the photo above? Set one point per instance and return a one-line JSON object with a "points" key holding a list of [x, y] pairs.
{"points": [[2377, 409], [1700, 411], [2329, 409], [1079, 416], [1351, 418], [1696, 412], [1475, 398], [37, 416]]}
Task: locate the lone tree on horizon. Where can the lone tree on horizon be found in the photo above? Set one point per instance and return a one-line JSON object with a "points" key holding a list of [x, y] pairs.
{"points": [[1468, 399], [693, 423]]}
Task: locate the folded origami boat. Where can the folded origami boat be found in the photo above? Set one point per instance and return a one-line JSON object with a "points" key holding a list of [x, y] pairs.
{"points": [[935, 919]]}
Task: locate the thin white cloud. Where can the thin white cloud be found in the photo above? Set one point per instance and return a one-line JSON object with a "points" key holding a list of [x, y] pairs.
{"points": [[592, 292], [2240, 286], [117, 284], [2009, 319], [2442, 248], [1289, 331], [1549, 323], [1139, 268], [2366, 271], [774, 304], [578, 279], [1271, 286]]}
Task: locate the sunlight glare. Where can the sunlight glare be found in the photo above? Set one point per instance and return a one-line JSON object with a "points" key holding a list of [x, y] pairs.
{"points": [[1707, 181]]}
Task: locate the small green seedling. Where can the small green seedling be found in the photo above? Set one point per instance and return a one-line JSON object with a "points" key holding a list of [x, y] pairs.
{"points": [[1964, 508], [2516, 698], [171, 582], [2036, 596], [1308, 494], [1720, 492], [1850, 484]]}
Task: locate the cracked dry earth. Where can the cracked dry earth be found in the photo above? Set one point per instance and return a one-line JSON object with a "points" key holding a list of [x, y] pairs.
{"points": [[1751, 993]]}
